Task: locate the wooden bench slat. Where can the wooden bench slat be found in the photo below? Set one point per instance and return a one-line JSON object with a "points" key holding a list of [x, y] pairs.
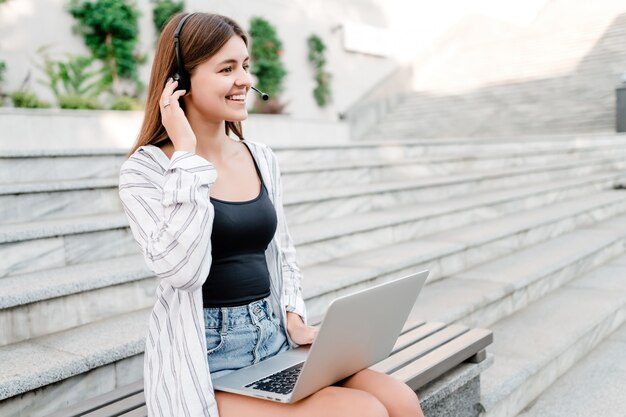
{"points": [[119, 407], [95, 403], [419, 349], [415, 335], [137, 412], [430, 366]]}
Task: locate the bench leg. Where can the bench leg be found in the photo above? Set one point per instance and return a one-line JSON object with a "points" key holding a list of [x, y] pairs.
{"points": [[463, 402]]}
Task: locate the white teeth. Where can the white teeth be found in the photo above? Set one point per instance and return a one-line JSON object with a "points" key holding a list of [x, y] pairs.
{"points": [[240, 97]]}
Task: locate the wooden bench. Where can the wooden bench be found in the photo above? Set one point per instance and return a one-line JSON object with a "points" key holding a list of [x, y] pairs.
{"points": [[423, 352]]}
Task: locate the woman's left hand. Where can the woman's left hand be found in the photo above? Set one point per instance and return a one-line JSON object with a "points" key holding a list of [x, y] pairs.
{"points": [[299, 332]]}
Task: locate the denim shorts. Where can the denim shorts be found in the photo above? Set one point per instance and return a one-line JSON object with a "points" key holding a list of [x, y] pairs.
{"points": [[240, 336]]}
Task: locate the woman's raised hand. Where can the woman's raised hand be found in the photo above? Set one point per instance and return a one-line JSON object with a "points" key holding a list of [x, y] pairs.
{"points": [[174, 120]]}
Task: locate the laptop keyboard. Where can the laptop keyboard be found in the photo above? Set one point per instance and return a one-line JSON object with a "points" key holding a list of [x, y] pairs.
{"points": [[281, 382]]}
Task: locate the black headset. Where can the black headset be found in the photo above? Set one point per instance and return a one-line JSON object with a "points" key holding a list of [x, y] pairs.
{"points": [[182, 76]]}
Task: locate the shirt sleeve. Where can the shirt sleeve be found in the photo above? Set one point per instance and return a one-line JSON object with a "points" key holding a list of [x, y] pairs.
{"points": [[292, 277], [170, 215]]}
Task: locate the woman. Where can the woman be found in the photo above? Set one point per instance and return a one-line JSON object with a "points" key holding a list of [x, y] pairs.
{"points": [[207, 211]]}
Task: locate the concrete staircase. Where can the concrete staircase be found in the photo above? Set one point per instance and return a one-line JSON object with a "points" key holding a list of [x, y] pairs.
{"points": [[488, 78], [510, 229]]}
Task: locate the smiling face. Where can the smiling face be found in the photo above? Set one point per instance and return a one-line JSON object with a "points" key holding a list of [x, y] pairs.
{"points": [[225, 74]]}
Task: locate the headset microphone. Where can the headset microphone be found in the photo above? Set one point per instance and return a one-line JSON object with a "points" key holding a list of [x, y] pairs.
{"points": [[264, 96]]}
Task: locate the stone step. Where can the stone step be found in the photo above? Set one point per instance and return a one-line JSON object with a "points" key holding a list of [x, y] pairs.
{"points": [[39, 201], [477, 122], [593, 386], [373, 147], [426, 105], [53, 300], [37, 246], [482, 295], [537, 344], [450, 252], [324, 240], [484, 118], [373, 171], [404, 118], [112, 348], [22, 166], [59, 199], [329, 203]]}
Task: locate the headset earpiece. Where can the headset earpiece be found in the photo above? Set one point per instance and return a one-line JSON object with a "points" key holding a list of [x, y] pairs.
{"points": [[183, 82], [180, 75]]}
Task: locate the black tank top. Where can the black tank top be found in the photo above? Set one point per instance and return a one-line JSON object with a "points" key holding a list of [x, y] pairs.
{"points": [[242, 230]]}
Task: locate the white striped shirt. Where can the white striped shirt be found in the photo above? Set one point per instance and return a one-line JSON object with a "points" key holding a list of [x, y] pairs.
{"points": [[171, 217]]}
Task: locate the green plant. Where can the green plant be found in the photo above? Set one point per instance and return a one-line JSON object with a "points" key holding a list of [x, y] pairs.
{"points": [[73, 83], [316, 57], [163, 10], [110, 29], [75, 101], [3, 68], [27, 99], [269, 70], [127, 103]]}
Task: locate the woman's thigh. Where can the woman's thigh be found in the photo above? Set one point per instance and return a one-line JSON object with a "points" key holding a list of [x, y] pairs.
{"points": [[328, 402], [397, 397]]}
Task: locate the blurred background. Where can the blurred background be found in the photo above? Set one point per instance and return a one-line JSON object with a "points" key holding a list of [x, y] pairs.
{"points": [[482, 140]]}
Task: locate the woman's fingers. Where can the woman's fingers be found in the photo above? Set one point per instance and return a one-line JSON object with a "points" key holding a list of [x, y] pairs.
{"points": [[168, 90], [177, 94]]}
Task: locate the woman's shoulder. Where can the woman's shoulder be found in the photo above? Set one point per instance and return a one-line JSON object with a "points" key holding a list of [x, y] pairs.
{"points": [[257, 145], [261, 148], [148, 159]]}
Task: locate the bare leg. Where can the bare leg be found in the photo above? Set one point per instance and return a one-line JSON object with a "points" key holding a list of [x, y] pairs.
{"points": [[396, 396], [328, 402]]}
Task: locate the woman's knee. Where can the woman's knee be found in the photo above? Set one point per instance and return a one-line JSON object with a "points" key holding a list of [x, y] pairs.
{"points": [[346, 402], [398, 398], [401, 400]]}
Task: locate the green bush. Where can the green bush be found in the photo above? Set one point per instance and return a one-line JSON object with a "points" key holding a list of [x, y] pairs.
{"points": [[28, 99], [163, 10], [111, 31], [3, 68], [316, 57], [127, 103], [75, 101], [268, 69]]}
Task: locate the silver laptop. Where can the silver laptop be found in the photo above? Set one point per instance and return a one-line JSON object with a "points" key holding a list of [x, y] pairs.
{"points": [[358, 330]]}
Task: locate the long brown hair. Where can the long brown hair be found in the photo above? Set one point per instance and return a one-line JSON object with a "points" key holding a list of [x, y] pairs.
{"points": [[202, 37]]}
